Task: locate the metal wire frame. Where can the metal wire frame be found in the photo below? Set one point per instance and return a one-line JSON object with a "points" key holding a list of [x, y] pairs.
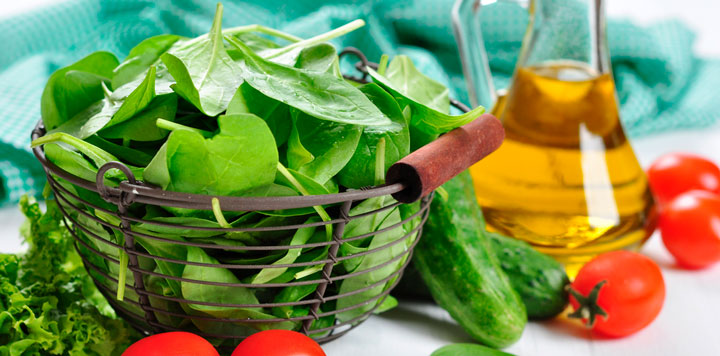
{"points": [[65, 202], [131, 193], [73, 206]]}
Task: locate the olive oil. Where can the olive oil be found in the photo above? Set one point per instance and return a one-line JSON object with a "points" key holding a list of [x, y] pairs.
{"points": [[565, 179]]}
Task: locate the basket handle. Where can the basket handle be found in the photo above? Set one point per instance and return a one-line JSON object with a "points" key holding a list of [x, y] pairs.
{"points": [[439, 161]]}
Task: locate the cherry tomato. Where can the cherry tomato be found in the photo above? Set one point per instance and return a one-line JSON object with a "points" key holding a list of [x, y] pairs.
{"points": [[677, 173], [618, 293], [690, 229], [278, 343], [174, 343]]}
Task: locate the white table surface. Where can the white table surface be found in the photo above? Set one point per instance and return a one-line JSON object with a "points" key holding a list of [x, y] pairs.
{"points": [[687, 324]]}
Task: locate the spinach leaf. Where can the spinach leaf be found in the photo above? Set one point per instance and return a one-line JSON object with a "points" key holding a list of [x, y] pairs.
{"points": [[84, 194], [468, 350], [126, 154], [250, 260], [301, 237], [288, 212], [165, 250], [297, 154], [142, 126], [320, 148], [73, 88], [110, 111], [98, 156], [311, 186], [319, 58], [277, 190], [419, 138], [408, 210], [239, 104], [321, 95], [240, 157], [71, 161], [97, 229], [255, 42], [322, 323], [408, 90], [415, 85], [367, 223], [220, 241], [298, 292], [160, 285], [124, 276], [182, 226], [272, 190], [141, 57], [369, 261], [359, 171], [221, 294], [306, 186], [208, 293], [264, 237], [120, 269], [138, 99], [315, 40], [361, 226], [433, 122], [294, 294], [90, 120], [389, 302], [276, 114], [163, 81], [205, 74]]}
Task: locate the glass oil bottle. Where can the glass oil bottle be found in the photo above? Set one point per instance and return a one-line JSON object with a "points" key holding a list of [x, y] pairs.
{"points": [[565, 179]]}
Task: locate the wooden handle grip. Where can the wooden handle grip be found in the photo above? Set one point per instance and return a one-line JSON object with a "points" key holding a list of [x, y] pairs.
{"points": [[439, 161]]}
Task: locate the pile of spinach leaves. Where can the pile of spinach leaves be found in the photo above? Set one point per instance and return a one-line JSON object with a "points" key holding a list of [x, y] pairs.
{"points": [[246, 111]]}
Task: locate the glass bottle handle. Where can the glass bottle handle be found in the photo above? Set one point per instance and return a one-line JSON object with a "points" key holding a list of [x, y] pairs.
{"points": [[475, 64]]}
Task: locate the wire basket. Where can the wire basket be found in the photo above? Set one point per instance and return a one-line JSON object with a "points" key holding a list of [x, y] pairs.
{"points": [[197, 277]]}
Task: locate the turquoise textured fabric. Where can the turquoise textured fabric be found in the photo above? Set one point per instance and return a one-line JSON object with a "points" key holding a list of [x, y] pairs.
{"points": [[661, 85]]}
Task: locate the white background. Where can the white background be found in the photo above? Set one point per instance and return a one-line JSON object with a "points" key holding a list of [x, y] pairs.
{"points": [[688, 322]]}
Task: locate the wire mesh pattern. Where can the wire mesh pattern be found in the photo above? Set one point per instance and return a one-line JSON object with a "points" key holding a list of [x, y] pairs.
{"points": [[104, 232], [102, 222], [319, 277]]}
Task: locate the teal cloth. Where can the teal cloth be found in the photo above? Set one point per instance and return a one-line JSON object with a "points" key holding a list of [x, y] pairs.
{"points": [[661, 84]]}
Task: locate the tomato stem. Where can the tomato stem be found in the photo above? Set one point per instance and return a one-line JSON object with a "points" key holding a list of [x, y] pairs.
{"points": [[588, 308]]}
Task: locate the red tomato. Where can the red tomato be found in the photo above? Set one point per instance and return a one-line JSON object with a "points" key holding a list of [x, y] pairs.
{"points": [[278, 343], [690, 229], [677, 173], [174, 343], [626, 286]]}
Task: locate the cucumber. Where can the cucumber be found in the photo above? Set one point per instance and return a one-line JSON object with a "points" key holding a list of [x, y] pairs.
{"points": [[540, 281], [468, 350], [456, 262]]}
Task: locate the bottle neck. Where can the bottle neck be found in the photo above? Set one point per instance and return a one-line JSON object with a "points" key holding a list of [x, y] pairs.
{"points": [[566, 31]]}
